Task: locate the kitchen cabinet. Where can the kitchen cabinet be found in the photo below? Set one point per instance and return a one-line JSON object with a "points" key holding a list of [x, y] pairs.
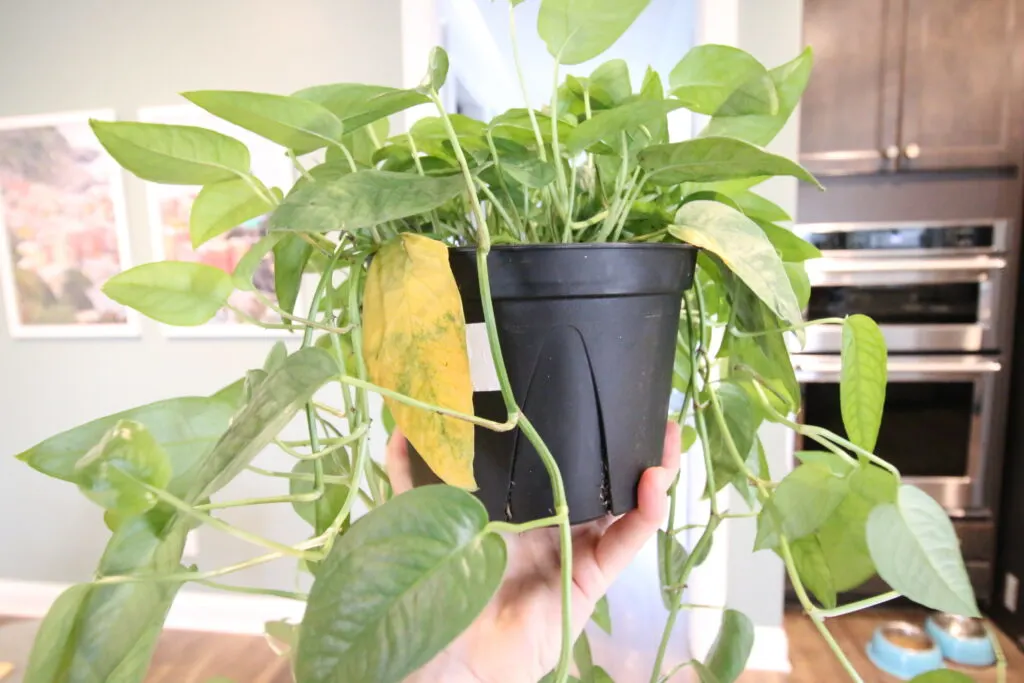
{"points": [[904, 85]]}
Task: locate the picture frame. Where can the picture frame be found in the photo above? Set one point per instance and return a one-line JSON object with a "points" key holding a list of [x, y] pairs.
{"points": [[63, 229]]}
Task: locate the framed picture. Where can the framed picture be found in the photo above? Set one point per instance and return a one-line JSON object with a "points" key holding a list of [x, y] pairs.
{"points": [[169, 209], [63, 228]]}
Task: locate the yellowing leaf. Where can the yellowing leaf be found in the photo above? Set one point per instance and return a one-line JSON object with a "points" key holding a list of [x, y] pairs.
{"points": [[414, 342]]}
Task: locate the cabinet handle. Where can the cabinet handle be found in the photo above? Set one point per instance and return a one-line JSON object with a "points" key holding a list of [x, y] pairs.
{"points": [[913, 150], [892, 152]]}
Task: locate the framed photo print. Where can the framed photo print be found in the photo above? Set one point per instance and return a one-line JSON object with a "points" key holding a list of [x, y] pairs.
{"points": [[63, 228], [169, 210]]}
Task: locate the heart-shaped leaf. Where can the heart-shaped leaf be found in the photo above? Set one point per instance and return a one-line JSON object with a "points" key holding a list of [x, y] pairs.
{"points": [[414, 342], [731, 649], [291, 256], [372, 615], [800, 504], [173, 292], [862, 380], [437, 73], [360, 200], [607, 125], [125, 453], [223, 206], [357, 104], [671, 558], [298, 124], [742, 245], [719, 80], [247, 266], [578, 30], [173, 155], [916, 551], [758, 208], [716, 158], [602, 616], [790, 80]]}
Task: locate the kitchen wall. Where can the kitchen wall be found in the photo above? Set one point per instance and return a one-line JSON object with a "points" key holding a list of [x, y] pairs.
{"points": [[92, 54]]}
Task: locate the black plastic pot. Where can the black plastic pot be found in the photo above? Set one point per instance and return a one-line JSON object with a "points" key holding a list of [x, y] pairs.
{"points": [[588, 333]]}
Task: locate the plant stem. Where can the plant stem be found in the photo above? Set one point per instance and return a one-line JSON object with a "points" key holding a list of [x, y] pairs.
{"points": [[310, 497], [220, 525], [299, 167], [857, 606], [812, 611], [288, 595], [305, 322], [561, 508], [997, 648], [522, 84], [525, 526]]}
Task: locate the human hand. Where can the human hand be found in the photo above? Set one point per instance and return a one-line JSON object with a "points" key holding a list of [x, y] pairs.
{"points": [[517, 638]]}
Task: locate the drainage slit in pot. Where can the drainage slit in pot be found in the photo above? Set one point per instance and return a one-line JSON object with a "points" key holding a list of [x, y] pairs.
{"points": [[606, 480], [512, 474]]}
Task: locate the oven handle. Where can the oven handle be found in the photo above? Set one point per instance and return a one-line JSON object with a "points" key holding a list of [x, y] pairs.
{"points": [[815, 368], [853, 272]]}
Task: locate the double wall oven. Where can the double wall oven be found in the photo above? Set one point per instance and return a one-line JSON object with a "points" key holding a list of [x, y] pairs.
{"points": [[937, 290]]}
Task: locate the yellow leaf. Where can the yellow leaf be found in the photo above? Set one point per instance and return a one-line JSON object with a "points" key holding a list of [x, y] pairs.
{"points": [[414, 342]]}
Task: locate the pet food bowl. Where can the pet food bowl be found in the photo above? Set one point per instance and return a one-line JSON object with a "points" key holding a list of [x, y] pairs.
{"points": [[903, 650], [962, 640]]}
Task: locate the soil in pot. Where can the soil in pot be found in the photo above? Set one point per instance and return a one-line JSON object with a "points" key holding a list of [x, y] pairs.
{"points": [[588, 333]]}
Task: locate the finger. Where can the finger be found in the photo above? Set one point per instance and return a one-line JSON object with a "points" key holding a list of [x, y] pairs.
{"points": [[396, 461], [623, 539]]}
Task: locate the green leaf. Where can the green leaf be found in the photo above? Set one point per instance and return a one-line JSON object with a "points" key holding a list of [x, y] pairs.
{"points": [[671, 558], [716, 158], [185, 428], [223, 206], [801, 503], [291, 255], [917, 553], [799, 281], [74, 641], [298, 124], [862, 380], [790, 246], [373, 619], [321, 513], [125, 453], [531, 172], [731, 649], [276, 357], [282, 636], [835, 463], [942, 676], [812, 568], [357, 104], [173, 155], [438, 70], [387, 419], [360, 200], [703, 673], [790, 80], [689, 438], [602, 615], [607, 125], [173, 292], [724, 81], [273, 404], [583, 659], [742, 245], [609, 84], [578, 30], [758, 208], [247, 266]]}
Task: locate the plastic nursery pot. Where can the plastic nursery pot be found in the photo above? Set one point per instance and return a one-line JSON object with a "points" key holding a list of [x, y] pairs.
{"points": [[588, 333]]}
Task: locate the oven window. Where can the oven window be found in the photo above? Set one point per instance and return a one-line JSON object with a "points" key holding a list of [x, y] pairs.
{"points": [[926, 426], [911, 304]]}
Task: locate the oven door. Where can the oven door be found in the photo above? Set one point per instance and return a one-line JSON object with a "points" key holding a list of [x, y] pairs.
{"points": [[926, 304], [937, 425]]}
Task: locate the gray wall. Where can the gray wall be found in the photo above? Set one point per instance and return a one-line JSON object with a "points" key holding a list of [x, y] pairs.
{"points": [[772, 32], [74, 55]]}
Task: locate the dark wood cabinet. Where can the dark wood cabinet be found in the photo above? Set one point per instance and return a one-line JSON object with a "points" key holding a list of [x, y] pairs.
{"points": [[912, 85]]}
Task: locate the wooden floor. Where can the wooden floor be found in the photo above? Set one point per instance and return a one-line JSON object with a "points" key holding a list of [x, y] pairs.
{"points": [[187, 657]]}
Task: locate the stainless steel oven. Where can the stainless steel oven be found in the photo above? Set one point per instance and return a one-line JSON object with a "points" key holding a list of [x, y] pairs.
{"points": [[933, 287], [937, 425]]}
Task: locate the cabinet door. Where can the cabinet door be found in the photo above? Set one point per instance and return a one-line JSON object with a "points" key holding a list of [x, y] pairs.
{"points": [[850, 110], [960, 84]]}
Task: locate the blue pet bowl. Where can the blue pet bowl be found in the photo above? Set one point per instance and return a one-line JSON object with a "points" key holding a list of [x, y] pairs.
{"points": [[963, 640], [903, 650]]}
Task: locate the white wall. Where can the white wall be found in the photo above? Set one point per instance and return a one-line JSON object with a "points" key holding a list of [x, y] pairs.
{"points": [[68, 55]]}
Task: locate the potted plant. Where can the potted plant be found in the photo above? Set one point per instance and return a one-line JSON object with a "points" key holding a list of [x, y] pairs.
{"points": [[572, 235]]}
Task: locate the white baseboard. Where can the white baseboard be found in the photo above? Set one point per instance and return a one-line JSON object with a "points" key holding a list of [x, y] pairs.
{"points": [[771, 650], [191, 611]]}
